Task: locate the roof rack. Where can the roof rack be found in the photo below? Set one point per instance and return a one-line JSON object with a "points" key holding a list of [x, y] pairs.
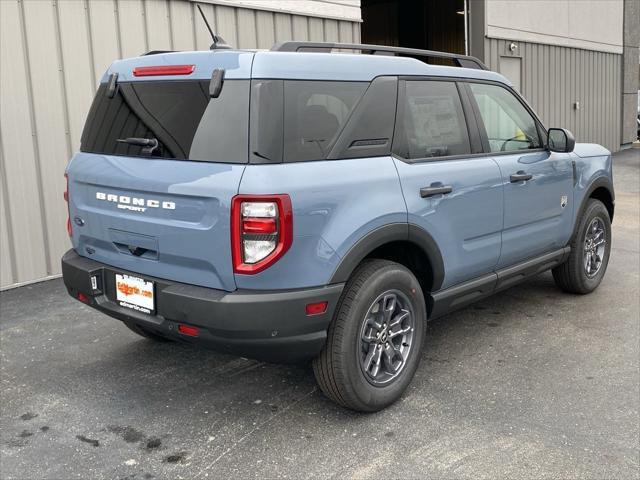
{"points": [[465, 61]]}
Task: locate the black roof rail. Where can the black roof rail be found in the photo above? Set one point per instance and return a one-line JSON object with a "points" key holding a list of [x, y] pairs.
{"points": [[465, 61]]}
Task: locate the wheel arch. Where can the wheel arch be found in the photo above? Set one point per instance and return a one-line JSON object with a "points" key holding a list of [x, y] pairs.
{"points": [[600, 189], [407, 244]]}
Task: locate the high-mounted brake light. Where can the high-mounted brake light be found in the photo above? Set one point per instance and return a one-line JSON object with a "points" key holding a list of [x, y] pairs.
{"points": [[163, 70], [261, 231], [66, 199]]}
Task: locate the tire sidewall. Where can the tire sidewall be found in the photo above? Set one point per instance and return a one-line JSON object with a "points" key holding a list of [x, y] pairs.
{"points": [[391, 277], [595, 209]]}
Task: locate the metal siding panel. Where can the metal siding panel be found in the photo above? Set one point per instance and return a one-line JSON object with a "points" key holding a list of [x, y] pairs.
{"points": [[182, 25], [316, 29], [226, 24], [331, 31], [48, 106], [104, 35], [77, 65], [284, 27], [18, 149], [246, 28], [132, 28], [265, 29], [554, 77], [345, 32], [356, 32], [158, 25], [300, 28], [7, 250]]}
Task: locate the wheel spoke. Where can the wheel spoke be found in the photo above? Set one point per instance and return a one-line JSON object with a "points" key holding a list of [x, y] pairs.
{"points": [[389, 306], [390, 353], [374, 324], [399, 319], [376, 361], [369, 337]]}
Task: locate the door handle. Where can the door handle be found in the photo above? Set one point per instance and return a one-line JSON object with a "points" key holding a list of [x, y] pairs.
{"points": [[520, 176], [431, 191]]}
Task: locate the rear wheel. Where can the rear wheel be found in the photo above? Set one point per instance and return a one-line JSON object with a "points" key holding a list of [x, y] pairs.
{"points": [[375, 339], [143, 332], [590, 249]]}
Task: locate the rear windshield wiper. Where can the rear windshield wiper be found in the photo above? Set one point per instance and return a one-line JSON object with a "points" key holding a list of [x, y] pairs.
{"points": [[149, 144]]}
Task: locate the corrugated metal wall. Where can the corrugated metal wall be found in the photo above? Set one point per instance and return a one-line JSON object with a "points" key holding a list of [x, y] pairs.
{"points": [[554, 78], [52, 53]]}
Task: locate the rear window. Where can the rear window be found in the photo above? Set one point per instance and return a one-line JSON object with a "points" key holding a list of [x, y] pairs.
{"points": [[180, 115], [295, 121]]}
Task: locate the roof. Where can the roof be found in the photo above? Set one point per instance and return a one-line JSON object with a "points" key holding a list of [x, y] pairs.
{"points": [[243, 64]]}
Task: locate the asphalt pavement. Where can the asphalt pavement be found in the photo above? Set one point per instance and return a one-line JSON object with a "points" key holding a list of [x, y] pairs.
{"points": [[531, 383]]}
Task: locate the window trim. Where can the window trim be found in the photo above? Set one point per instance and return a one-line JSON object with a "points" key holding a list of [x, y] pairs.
{"points": [[470, 121]]}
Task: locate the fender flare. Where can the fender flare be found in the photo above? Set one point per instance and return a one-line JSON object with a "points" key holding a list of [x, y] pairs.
{"points": [[593, 186], [391, 233]]}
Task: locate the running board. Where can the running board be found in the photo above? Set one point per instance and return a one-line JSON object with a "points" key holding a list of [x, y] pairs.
{"points": [[461, 295]]}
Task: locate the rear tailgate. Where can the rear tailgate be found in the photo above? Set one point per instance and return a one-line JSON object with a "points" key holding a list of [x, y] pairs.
{"points": [[164, 218], [163, 211]]}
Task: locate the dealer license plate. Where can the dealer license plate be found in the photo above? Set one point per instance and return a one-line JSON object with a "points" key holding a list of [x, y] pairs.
{"points": [[135, 293]]}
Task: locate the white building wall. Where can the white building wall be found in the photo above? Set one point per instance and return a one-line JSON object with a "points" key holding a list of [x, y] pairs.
{"points": [[53, 53], [586, 24]]}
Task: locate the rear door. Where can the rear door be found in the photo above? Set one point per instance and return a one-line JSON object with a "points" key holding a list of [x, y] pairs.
{"points": [[538, 184], [451, 191], [161, 210]]}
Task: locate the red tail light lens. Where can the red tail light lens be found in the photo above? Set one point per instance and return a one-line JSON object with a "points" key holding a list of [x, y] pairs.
{"points": [[66, 199], [163, 70], [261, 231]]}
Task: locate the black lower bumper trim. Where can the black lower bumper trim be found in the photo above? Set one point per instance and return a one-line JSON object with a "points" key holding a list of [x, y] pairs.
{"points": [[271, 326]]}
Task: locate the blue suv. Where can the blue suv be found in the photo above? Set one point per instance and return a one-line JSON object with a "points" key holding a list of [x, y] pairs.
{"points": [[302, 203]]}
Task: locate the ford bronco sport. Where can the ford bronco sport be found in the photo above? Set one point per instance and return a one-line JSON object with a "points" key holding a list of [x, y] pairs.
{"points": [[302, 203]]}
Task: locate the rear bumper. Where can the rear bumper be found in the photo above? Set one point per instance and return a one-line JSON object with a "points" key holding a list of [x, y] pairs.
{"points": [[271, 326]]}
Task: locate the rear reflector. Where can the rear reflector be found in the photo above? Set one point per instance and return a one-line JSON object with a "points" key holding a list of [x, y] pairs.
{"points": [[188, 330], [163, 70], [83, 298], [316, 308]]}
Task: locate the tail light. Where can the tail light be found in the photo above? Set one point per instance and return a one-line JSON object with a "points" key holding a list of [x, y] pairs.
{"points": [[66, 199], [163, 70], [261, 231]]}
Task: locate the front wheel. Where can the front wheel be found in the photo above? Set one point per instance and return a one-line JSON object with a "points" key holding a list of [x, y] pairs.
{"points": [[375, 339], [590, 249]]}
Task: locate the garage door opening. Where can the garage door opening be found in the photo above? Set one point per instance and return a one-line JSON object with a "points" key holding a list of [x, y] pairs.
{"points": [[423, 24]]}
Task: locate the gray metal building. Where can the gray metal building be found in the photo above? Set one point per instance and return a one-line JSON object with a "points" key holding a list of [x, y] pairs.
{"points": [[575, 60]]}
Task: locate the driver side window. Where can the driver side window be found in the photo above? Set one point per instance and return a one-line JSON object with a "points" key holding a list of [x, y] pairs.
{"points": [[509, 125]]}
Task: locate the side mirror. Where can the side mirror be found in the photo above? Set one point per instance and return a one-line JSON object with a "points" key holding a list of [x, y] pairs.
{"points": [[560, 140]]}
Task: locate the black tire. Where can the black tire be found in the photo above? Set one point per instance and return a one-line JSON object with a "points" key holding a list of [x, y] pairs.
{"points": [[339, 369], [572, 276], [143, 332]]}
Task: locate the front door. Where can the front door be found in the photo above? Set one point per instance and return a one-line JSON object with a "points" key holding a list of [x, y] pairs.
{"points": [[538, 184]]}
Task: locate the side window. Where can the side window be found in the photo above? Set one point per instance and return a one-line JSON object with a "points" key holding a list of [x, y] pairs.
{"points": [[314, 114], [430, 121], [509, 126]]}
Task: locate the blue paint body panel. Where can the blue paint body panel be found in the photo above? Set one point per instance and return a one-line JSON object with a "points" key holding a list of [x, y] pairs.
{"points": [[536, 219], [465, 224], [335, 204], [191, 241]]}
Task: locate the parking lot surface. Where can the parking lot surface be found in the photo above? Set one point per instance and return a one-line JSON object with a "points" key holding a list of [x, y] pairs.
{"points": [[530, 383]]}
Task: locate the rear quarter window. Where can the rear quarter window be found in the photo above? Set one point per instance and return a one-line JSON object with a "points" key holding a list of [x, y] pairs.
{"points": [[296, 121]]}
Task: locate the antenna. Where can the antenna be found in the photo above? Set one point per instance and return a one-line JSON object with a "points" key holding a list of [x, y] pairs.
{"points": [[218, 41]]}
